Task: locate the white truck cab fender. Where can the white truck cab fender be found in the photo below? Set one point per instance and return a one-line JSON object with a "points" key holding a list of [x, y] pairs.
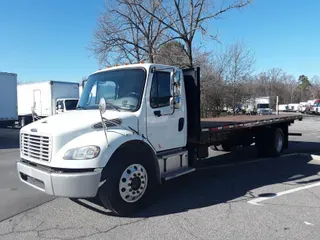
{"points": [[134, 144], [116, 137]]}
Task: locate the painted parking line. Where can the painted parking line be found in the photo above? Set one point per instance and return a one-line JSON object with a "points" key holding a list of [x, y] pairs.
{"points": [[257, 201], [315, 157]]}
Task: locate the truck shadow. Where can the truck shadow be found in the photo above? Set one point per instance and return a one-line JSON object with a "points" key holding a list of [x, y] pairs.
{"points": [[232, 181]]}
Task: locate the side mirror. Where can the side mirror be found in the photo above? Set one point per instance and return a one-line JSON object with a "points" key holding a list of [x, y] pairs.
{"points": [[102, 106], [176, 78], [59, 107], [175, 102]]}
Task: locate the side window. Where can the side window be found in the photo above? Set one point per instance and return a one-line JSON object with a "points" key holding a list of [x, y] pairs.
{"points": [[160, 90]]}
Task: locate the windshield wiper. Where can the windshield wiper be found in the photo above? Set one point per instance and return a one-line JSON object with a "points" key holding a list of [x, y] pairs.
{"points": [[113, 106], [82, 108]]}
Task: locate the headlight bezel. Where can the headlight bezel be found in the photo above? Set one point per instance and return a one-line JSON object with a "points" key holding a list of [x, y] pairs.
{"points": [[82, 153]]}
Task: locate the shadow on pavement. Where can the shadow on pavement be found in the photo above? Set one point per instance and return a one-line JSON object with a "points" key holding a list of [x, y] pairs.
{"points": [[224, 184], [304, 147], [9, 138]]}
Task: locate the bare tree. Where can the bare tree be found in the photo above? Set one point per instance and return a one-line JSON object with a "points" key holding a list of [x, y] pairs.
{"points": [[212, 88], [125, 33], [239, 66], [315, 90], [275, 82], [172, 53], [184, 18]]}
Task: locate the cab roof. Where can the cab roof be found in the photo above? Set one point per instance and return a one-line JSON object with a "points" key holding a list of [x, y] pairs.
{"points": [[136, 65]]}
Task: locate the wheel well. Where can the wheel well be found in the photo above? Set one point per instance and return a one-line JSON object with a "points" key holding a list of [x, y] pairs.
{"points": [[135, 144], [283, 126]]}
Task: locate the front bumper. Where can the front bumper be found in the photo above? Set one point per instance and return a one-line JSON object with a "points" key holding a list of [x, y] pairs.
{"points": [[72, 185]]}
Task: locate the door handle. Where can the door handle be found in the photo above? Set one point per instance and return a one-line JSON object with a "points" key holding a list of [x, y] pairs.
{"points": [[181, 124], [157, 113]]}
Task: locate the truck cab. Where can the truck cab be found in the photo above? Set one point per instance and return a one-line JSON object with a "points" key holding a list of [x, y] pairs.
{"points": [[66, 104], [82, 153], [264, 109], [263, 106]]}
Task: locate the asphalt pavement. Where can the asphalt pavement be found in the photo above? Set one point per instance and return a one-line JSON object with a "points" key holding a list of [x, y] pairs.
{"points": [[239, 197], [15, 197]]}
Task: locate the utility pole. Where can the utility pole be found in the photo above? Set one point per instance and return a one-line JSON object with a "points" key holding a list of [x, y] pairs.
{"points": [[277, 106]]}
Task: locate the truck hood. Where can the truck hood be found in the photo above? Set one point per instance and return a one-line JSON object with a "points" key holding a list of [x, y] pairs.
{"points": [[78, 122]]}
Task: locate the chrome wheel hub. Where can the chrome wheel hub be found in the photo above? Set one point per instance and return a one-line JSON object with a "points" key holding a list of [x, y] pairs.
{"points": [[133, 183]]}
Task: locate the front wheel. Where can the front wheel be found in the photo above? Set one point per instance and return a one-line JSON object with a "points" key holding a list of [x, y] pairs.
{"points": [[130, 183]]}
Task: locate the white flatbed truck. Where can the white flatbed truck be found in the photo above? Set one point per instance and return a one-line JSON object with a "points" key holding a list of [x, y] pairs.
{"points": [[136, 126]]}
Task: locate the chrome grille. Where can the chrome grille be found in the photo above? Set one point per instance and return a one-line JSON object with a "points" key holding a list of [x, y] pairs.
{"points": [[36, 147]]}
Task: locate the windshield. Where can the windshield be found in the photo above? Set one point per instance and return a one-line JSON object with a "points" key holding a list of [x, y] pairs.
{"points": [[263, 105], [122, 88], [71, 104]]}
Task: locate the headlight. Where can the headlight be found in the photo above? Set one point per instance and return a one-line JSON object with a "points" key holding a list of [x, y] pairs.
{"points": [[82, 153]]}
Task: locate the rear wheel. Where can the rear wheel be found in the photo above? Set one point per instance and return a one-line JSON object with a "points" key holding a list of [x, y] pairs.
{"points": [[278, 140], [270, 142], [226, 146], [130, 182]]}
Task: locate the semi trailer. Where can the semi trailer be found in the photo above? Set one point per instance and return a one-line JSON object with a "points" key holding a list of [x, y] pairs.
{"points": [[8, 99], [135, 127]]}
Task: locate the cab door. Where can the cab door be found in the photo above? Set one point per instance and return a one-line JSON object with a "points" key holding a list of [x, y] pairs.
{"points": [[166, 125]]}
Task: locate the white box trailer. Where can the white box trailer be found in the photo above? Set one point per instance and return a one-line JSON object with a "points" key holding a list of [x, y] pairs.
{"points": [[293, 107], [283, 107], [8, 99], [43, 99]]}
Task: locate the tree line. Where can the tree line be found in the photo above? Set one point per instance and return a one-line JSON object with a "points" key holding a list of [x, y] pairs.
{"points": [[164, 31]]}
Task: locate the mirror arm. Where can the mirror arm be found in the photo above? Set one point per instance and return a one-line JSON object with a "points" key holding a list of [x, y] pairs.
{"points": [[102, 109]]}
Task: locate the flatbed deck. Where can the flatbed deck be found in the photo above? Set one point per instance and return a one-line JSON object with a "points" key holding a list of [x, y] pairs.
{"points": [[243, 121]]}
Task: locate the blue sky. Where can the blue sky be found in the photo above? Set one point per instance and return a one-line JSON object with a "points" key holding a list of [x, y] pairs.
{"points": [[42, 40]]}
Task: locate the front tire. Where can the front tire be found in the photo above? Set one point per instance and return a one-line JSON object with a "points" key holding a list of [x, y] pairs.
{"points": [[130, 181]]}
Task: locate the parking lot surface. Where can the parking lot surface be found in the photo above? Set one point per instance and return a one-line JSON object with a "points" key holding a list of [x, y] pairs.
{"points": [[15, 196], [239, 196]]}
